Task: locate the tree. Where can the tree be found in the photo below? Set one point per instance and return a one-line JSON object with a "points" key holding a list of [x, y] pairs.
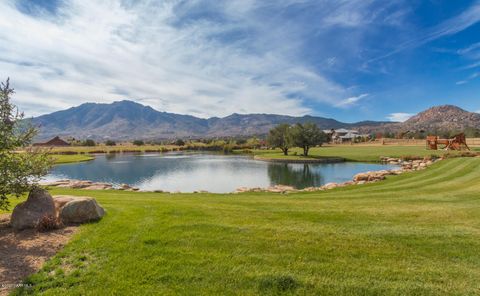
{"points": [[20, 171], [306, 136], [180, 142], [253, 143], [241, 141], [110, 143], [138, 143], [279, 137], [89, 142]]}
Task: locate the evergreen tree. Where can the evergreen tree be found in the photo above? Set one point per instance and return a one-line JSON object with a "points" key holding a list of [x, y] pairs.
{"points": [[21, 167]]}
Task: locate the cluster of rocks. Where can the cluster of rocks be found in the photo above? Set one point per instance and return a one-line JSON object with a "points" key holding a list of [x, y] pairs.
{"points": [[274, 189], [87, 185], [410, 165], [358, 179], [63, 208], [290, 189]]}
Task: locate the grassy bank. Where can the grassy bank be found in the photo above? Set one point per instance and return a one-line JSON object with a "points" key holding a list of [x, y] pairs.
{"points": [[214, 146], [113, 149], [62, 159], [353, 153], [413, 234]]}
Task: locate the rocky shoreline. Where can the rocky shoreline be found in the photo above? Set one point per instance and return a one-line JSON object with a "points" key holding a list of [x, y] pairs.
{"points": [[358, 179], [87, 185]]}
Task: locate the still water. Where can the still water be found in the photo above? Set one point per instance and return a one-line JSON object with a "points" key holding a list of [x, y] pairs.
{"points": [[188, 172]]}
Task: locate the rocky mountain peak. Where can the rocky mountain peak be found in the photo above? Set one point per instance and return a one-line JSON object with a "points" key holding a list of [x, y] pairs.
{"points": [[445, 117]]}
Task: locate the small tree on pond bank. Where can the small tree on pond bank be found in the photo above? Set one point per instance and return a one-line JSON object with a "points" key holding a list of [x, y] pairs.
{"points": [[19, 170], [306, 136], [279, 137]]}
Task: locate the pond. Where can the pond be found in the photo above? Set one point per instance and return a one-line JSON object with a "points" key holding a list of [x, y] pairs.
{"points": [[188, 172]]}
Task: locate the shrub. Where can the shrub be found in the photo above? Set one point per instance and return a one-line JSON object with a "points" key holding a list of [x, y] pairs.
{"points": [[241, 141], [48, 223], [180, 142], [138, 143], [89, 142], [228, 148], [411, 157], [110, 143]]}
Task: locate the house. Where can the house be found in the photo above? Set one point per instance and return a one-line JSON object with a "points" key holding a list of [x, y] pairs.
{"points": [[53, 142], [343, 135]]}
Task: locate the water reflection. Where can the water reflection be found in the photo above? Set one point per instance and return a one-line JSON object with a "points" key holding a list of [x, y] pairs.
{"points": [[189, 172], [297, 175]]}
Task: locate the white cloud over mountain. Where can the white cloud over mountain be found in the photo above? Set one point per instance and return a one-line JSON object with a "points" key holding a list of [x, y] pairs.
{"points": [[213, 58], [158, 54]]}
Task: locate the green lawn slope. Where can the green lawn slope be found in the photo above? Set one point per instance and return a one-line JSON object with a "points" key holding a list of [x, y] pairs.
{"points": [[73, 158], [413, 234]]}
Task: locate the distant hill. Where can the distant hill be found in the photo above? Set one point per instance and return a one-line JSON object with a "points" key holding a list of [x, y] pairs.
{"points": [[127, 120], [435, 120], [446, 117], [119, 120]]}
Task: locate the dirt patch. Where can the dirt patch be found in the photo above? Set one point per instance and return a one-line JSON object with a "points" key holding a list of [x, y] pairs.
{"points": [[24, 252]]}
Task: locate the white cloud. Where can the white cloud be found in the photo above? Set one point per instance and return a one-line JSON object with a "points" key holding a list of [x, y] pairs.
{"points": [[348, 102], [472, 47], [471, 66], [399, 117], [152, 52], [471, 77], [356, 13]]}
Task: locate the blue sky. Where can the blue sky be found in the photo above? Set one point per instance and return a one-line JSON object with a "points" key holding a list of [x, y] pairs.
{"points": [[350, 60]]}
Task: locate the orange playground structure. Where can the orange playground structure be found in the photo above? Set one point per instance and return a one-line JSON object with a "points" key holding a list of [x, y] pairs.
{"points": [[457, 142]]}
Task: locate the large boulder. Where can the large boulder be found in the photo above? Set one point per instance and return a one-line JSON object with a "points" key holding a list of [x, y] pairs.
{"points": [[81, 210], [28, 213], [361, 177], [61, 200]]}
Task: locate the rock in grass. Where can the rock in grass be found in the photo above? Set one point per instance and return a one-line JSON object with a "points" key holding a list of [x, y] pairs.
{"points": [[61, 200], [81, 210], [27, 214], [330, 186]]}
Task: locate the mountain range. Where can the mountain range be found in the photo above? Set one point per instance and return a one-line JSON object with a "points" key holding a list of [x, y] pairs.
{"points": [[127, 120]]}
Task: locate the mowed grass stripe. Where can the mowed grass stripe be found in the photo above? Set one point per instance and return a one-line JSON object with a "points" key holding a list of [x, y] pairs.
{"points": [[436, 173], [428, 180], [406, 181]]}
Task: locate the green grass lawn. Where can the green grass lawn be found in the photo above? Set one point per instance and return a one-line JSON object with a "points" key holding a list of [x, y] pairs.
{"points": [[61, 159], [355, 152], [413, 234]]}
